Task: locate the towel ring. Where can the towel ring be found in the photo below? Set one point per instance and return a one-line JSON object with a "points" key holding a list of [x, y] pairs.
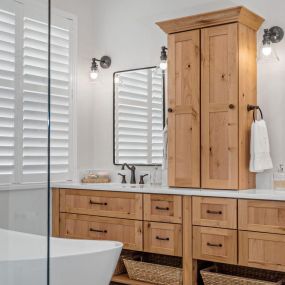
{"points": [[254, 112]]}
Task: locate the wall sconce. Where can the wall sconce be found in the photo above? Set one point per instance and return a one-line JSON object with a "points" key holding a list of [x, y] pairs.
{"points": [[105, 62], [163, 58], [271, 36]]}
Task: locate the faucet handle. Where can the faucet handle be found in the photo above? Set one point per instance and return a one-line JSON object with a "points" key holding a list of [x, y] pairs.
{"points": [[123, 178], [141, 178]]}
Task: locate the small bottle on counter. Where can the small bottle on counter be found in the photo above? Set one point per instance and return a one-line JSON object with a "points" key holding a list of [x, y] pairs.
{"points": [[279, 178]]}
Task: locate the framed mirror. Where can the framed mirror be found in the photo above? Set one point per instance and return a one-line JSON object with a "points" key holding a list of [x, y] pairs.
{"points": [[138, 116]]}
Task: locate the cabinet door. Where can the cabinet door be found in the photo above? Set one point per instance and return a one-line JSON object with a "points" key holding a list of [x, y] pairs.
{"points": [[219, 107], [184, 109]]}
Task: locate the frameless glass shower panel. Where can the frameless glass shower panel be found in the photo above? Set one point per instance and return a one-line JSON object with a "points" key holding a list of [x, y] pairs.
{"points": [[24, 142]]}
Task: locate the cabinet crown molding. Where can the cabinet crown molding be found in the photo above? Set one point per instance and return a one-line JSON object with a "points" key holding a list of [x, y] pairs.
{"points": [[238, 14]]}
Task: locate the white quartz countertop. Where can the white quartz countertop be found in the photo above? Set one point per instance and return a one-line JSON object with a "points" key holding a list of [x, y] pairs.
{"points": [[258, 194]]}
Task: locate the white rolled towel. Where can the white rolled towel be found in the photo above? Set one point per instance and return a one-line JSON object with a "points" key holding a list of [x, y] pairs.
{"points": [[260, 158]]}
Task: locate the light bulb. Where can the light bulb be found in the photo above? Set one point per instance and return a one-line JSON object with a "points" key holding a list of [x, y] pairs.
{"points": [[94, 74], [266, 50], [163, 65]]}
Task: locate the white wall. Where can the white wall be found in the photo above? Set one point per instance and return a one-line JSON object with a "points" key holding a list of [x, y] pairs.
{"points": [[126, 31]]}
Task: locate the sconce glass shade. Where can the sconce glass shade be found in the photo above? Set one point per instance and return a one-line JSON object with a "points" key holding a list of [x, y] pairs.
{"points": [[163, 58], [270, 38], [163, 65], [94, 70], [94, 74], [267, 52]]}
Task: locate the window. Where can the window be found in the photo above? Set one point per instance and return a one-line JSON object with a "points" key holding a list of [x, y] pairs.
{"points": [[7, 96], [24, 95], [138, 113]]}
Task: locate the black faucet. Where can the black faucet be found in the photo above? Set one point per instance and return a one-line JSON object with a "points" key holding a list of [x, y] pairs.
{"points": [[133, 172]]}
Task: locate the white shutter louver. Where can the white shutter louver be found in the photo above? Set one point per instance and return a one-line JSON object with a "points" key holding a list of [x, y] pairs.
{"points": [[139, 117], [7, 96], [35, 74]]}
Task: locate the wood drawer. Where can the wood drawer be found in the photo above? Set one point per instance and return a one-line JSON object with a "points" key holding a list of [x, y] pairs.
{"points": [[262, 216], [163, 238], [215, 212], [101, 203], [214, 244], [163, 208], [128, 232], [262, 250]]}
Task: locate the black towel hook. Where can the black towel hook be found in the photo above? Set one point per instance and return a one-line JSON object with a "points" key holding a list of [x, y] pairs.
{"points": [[254, 108]]}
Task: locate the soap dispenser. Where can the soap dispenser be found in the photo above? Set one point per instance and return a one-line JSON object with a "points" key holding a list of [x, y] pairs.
{"points": [[279, 178]]}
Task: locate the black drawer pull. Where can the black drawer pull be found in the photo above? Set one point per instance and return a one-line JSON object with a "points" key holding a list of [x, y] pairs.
{"points": [[161, 208], [214, 244], [214, 212], [160, 238], [97, 203], [98, 231]]}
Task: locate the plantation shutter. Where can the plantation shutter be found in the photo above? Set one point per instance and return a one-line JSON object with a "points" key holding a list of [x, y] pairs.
{"points": [[137, 118], [35, 100], [157, 119], [7, 96]]}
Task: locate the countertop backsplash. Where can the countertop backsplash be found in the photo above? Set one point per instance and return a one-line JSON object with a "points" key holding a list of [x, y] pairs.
{"points": [[156, 175]]}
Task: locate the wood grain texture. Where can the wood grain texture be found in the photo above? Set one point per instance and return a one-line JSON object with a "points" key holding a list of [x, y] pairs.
{"points": [[55, 212], [247, 95], [163, 208], [189, 265], [213, 244], [129, 232], [219, 121], [102, 203], [124, 279], [262, 250], [184, 100], [262, 216], [163, 238], [236, 14], [215, 212]]}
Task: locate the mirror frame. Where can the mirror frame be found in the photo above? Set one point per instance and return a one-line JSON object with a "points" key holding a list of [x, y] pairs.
{"points": [[114, 96]]}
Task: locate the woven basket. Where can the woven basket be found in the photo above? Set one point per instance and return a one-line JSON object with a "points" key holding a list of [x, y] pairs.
{"points": [[154, 273], [238, 275], [120, 268]]}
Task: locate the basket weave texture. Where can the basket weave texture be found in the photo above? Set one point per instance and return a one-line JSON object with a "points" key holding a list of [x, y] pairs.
{"points": [[120, 268], [239, 275], [148, 270]]}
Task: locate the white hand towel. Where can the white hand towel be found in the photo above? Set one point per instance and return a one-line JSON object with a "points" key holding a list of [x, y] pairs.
{"points": [[165, 139], [260, 159]]}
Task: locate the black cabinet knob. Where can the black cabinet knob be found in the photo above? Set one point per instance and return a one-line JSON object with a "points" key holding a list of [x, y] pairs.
{"points": [[231, 106], [170, 110]]}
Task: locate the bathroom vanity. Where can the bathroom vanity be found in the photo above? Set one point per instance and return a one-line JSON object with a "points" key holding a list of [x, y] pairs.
{"points": [[232, 227], [211, 82]]}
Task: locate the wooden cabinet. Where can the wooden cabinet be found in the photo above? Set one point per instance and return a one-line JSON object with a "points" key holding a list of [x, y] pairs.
{"points": [[215, 244], [129, 232], [184, 109], [219, 107], [213, 105], [215, 212], [262, 216], [163, 238], [262, 250], [163, 208], [101, 203]]}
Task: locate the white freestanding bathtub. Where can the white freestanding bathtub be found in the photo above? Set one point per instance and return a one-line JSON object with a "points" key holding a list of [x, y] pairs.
{"points": [[73, 262]]}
